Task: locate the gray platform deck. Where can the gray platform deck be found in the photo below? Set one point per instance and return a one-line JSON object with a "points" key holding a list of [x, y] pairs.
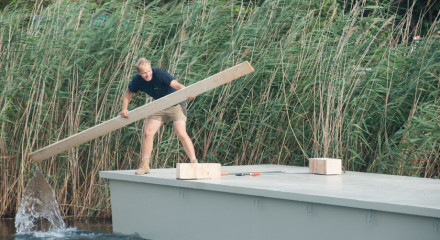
{"points": [[369, 193]]}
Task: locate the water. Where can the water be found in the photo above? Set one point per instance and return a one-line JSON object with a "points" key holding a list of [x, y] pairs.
{"points": [[39, 209], [75, 229], [39, 217]]}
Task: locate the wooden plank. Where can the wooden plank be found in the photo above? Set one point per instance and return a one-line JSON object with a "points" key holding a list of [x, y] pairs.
{"points": [[187, 171], [325, 166], [144, 111]]}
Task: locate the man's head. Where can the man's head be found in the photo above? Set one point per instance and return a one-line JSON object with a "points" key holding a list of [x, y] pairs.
{"points": [[144, 69]]}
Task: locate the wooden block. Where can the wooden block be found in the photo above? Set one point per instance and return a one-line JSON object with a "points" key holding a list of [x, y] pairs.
{"points": [[144, 111], [325, 165], [198, 170]]}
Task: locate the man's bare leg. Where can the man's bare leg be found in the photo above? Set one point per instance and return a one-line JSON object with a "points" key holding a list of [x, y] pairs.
{"points": [[180, 127], [150, 131]]}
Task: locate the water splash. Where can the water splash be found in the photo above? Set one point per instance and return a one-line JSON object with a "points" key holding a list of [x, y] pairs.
{"points": [[39, 209], [73, 233]]}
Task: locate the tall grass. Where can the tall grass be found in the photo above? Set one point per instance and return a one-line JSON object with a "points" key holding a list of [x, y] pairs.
{"points": [[330, 81]]}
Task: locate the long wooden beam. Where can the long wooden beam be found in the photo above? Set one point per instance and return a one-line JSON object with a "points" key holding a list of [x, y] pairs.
{"points": [[144, 111]]}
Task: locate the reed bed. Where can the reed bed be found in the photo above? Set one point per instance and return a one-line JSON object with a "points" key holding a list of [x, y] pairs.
{"points": [[331, 80]]}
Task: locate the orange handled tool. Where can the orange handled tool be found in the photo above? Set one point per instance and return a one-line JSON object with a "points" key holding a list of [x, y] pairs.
{"points": [[249, 173]]}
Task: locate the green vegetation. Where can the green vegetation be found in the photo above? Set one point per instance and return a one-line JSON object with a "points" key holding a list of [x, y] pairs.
{"points": [[329, 82]]}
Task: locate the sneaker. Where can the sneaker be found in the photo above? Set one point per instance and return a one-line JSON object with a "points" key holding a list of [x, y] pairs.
{"points": [[193, 160], [144, 168]]}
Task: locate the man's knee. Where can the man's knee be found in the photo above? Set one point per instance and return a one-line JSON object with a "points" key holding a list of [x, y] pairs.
{"points": [[182, 134], [152, 127], [180, 128], [149, 133]]}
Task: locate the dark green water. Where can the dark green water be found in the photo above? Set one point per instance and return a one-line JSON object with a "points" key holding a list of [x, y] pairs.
{"points": [[75, 229]]}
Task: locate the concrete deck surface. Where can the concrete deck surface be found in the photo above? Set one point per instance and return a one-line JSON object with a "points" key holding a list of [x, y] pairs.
{"points": [[398, 194]]}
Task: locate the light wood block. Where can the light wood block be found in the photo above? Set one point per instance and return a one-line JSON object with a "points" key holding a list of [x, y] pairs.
{"points": [[198, 170], [325, 165], [144, 111]]}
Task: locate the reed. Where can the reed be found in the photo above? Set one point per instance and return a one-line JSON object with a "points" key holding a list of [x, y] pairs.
{"points": [[331, 80]]}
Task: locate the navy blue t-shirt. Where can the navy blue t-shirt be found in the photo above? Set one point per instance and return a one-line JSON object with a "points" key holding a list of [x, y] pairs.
{"points": [[158, 87]]}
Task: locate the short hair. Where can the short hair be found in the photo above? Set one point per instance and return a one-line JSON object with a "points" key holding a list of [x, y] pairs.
{"points": [[142, 61]]}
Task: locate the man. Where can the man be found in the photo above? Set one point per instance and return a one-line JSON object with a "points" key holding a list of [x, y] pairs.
{"points": [[158, 83]]}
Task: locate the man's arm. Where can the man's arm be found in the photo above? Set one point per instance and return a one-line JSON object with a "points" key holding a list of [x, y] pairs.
{"points": [[176, 85], [125, 100]]}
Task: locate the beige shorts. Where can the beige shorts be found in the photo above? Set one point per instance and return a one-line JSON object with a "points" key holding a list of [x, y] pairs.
{"points": [[174, 113]]}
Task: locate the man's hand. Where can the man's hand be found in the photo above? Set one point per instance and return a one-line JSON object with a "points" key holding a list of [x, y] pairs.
{"points": [[176, 85], [124, 114]]}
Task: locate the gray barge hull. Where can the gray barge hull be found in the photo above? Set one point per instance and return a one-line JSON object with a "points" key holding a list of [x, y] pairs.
{"points": [[290, 205]]}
